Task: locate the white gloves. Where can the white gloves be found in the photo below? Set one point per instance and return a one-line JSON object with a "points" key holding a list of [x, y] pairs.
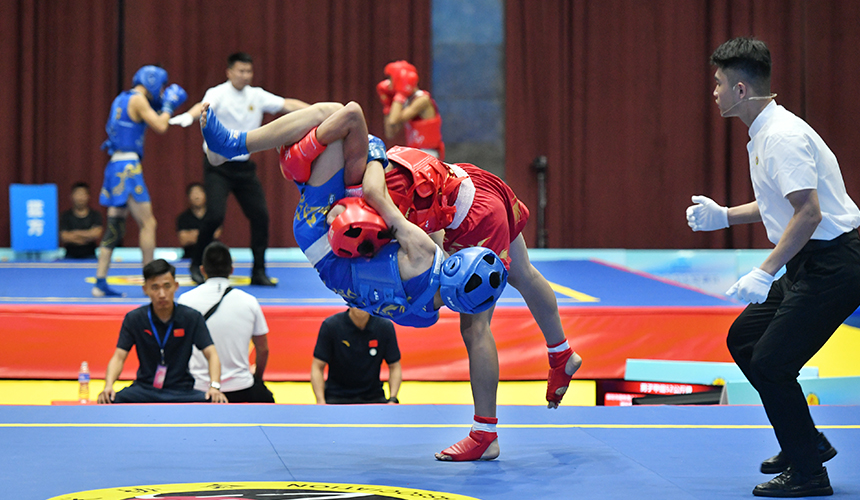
{"points": [[183, 120], [752, 287], [706, 215]]}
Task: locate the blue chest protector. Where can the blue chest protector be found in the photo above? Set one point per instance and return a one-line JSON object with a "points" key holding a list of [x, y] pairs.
{"points": [[123, 133], [381, 292]]}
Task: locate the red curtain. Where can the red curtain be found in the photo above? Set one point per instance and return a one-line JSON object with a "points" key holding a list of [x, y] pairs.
{"points": [[61, 56], [59, 60], [618, 95]]}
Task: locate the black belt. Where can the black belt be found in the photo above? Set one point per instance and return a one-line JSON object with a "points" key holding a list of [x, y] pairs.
{"points": [[815, 245]]}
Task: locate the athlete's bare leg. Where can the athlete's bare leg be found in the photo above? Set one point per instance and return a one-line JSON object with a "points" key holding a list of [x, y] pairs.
{"points": [[541, 302], [347, 124], [146, 223], [483, 371], [286, 129], [291, 127]]}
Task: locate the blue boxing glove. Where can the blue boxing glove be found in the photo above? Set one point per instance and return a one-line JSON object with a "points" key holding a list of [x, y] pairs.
{"points": [[173, 97], [376, 150]]}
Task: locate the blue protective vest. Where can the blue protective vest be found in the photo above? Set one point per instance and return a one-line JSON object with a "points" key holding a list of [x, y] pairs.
{"points": [[123, 133], [380, 291]]}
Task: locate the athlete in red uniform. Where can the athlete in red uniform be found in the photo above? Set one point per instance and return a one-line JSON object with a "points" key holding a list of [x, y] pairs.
{"points": [[436, 196], [475, 208], [407, 106], [312, 162]]}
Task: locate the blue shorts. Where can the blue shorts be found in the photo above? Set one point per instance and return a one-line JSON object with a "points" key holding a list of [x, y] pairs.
{"points": [[123, 179], [310, 230], [309, 220]]}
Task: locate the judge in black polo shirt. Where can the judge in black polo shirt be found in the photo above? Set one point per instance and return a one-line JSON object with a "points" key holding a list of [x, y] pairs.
{"points": [[163, 333], [353, 344], [80, 226]]}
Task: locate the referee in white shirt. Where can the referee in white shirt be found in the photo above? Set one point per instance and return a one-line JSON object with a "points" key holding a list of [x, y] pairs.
{"points": [[239, 107], [235, 320], [801, 199]]}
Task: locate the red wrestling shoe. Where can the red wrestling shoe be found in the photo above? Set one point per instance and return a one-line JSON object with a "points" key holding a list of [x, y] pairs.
{"points": [[478, 445], [558, 380]]}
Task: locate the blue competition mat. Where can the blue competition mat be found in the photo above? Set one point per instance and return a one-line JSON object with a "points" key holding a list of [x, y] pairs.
{"points": [[577, 283], [665, 452]]}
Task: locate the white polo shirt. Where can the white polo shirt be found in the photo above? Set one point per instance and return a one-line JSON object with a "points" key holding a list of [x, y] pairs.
{"points": [[787, 155], [238, 318], [241, 109]]}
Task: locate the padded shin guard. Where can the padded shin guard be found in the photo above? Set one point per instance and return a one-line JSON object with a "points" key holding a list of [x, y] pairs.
{"points": [[475, 446], [115, 232], [557, 380], [296, 160]]}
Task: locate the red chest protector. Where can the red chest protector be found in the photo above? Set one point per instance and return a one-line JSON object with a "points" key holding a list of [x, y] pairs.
{"points": [[427, 199], [426, 133]]}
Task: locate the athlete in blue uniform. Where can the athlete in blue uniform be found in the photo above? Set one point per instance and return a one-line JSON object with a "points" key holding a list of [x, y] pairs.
{"points": [[124, 190], [398, 280]]}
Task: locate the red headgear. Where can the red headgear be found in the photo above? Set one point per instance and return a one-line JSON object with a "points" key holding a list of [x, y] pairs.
{"points": [[358, 230], [404, 77], [394, 67]]}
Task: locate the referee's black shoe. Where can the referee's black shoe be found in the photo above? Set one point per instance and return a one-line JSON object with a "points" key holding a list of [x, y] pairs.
{"points": [[258, 277], [792, 483], [778, 462]]}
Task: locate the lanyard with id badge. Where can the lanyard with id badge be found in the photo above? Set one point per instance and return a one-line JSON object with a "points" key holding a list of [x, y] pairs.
{"points": [[161, 371]]}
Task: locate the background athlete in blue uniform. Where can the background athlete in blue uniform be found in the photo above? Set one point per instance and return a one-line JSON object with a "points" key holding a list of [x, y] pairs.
{"points": [[123, 190]]}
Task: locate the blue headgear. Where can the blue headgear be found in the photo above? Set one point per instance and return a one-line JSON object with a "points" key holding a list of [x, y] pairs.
{"points": [[472, 280], [153, 79]]}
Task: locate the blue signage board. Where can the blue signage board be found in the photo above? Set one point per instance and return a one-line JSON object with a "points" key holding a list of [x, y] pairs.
{"points": [[33, 212]]}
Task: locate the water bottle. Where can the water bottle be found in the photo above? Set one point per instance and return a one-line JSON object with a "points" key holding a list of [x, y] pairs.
{"points": [[84, 383]]}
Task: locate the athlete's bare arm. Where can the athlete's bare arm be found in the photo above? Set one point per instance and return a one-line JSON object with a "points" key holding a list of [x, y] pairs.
{"points": [[139, 110]]}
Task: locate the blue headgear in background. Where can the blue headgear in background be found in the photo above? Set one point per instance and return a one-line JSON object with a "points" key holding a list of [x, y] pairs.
{"points": [[153, 79]]}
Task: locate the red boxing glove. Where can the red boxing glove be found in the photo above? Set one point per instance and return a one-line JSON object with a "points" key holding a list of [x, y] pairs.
{"points": [[296, 160], [405, 82], [385, 92]]}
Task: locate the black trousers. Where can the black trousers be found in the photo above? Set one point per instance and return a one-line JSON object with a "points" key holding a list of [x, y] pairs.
{"points": [[358, 400], [239, 178], [257, 393], [144, 393], [771, 341], [374, 395]]}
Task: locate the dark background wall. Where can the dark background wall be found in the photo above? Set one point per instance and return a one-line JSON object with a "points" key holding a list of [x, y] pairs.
{"points": [[616, 94]]}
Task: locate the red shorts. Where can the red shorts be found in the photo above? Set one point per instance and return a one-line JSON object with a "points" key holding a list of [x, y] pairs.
{"points": [[495, 219]]}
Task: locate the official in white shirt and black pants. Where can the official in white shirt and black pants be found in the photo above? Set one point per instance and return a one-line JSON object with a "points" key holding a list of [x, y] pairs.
{"points": [[800, 197], [239, 107]]}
